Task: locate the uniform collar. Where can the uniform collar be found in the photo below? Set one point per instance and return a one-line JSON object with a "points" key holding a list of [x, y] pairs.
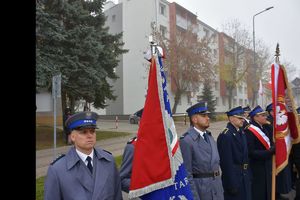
{"points": [[72, 156], [200, 132], [83, 156]]}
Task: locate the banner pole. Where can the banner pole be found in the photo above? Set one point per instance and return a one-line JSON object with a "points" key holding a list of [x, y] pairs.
{"points": [[277, 54], [273, 177]]}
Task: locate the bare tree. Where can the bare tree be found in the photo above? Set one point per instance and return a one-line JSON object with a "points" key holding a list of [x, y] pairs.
{"points": [[188, 62], [260, 71], [236, 58]]}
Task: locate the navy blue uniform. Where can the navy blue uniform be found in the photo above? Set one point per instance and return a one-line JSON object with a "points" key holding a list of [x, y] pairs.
{"points": [[260, 164], [233, 151]]}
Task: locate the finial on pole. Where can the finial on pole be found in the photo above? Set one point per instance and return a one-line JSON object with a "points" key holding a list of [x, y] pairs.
{"points": [[152, 38], [277, 54]]}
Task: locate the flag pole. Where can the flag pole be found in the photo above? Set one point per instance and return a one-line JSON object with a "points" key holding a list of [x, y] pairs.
{"points": [[277, 54]]}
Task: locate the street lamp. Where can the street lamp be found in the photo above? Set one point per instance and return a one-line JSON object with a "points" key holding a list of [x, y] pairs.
{"points": [[254, 32], [254, 61]]}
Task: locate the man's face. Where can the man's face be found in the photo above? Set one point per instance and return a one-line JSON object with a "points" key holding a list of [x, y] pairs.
{"points": [[261, 119], [246, 114], [272, 113], [200, 121], [84, 139], [237, 121]]}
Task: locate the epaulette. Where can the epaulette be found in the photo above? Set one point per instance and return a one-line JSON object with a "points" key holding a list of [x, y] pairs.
{"points": [[183, 135], [225, 131], [246, 127], [131, 140], [57, 158], [107, 151]]}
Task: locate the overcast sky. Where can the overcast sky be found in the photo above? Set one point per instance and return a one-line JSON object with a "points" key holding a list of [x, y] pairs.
{"points": [[280, 24]]}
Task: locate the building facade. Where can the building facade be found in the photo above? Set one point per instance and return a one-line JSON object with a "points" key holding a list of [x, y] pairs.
{"points": [[169, 18]]}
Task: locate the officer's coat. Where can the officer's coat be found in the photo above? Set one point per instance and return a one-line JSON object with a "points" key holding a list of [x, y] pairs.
{"points": [[201, 157], [69, 178], [126, 167], [260, 164], [232, 146]]}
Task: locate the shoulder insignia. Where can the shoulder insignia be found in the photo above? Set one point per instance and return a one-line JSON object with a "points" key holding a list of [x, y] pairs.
{"points": [[131, 140], [225, 131], [57, 158], [107, 151], [246, 127], [183, 135]]}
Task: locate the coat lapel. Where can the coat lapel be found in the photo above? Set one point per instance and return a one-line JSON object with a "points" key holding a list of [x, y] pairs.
{"points": [[85, 178], [79, 169], [102, 166]]}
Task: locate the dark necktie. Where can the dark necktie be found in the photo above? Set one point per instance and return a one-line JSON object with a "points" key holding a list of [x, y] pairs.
{"points": [[205, 137], [89, 165]]}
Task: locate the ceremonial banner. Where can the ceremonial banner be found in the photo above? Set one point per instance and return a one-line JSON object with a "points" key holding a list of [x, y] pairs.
{"points": [[158, 171], [286, 123]]}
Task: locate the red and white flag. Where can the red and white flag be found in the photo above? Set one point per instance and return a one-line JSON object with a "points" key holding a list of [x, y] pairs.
{"points": [[286, 124], [158, 171]]}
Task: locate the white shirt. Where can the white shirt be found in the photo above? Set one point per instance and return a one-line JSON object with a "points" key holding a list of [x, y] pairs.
{"points": [[200, 132], [83, 156]]}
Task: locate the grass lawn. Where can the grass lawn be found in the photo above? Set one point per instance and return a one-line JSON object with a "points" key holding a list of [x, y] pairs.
{"points": [[39, 195], [45, 136]]}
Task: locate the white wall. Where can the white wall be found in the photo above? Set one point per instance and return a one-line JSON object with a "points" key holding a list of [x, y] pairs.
{"points": [[44, 102]]}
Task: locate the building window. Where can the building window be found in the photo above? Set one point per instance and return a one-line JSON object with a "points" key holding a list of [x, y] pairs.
{"points": [[241, 102], [113, 18], [234, 102], [189, 98], [215, 52], [217, 101], [246, 102], [217, 85], [198, 98], [163, 31], [240, 89], [206, 32], [223, 101], [162, 9]]}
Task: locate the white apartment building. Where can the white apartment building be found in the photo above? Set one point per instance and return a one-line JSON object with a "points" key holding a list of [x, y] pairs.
{"points": [[131, 87]]}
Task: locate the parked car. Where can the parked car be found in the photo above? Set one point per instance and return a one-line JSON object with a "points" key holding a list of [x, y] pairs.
{"points": [[135, 117]]}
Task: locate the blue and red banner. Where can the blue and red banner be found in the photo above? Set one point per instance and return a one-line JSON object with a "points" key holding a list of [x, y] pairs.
{"points": [[158, 171]]}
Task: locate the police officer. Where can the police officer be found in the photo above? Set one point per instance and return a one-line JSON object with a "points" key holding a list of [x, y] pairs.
{"points": [[200, 156], [246, 109], [126, 166], [85, 172], [295, 160], [232, 146], [284, 177], [260, 148]]}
